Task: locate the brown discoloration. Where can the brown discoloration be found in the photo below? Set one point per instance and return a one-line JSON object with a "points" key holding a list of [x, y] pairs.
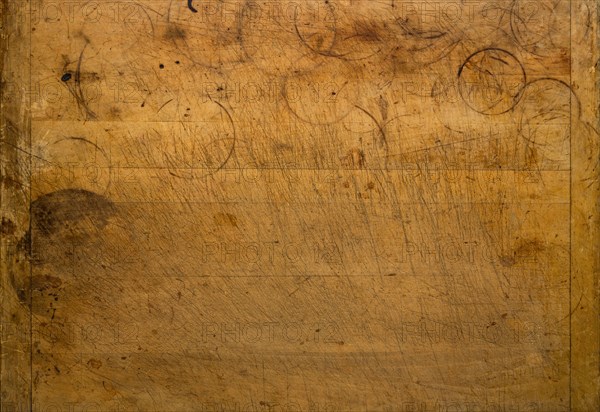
{"points": [[94, 363], [507, 261], [226, 219], [7, 226], [529, 247], [45, 282], [63, 211], [174, 32], [114, 113], [370, 31], [11, 183]]}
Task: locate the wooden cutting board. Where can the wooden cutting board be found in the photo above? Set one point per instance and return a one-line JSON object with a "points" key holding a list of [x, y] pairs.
{"points": [[299, 205]]}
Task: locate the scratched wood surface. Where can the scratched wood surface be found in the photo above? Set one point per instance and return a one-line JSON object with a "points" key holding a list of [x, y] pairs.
{"points": [[299, 205]]}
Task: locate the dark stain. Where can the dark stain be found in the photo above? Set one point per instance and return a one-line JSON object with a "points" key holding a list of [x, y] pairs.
{"points": [[175, 33], [66, 77], [367, 31], [115, 113], [507, 261], [7, 227], [529, 248], [283, 147], [526, 248], [225, 219], [44, 282], [83, 36], [57, 211], [10, 183], [24, 244]]}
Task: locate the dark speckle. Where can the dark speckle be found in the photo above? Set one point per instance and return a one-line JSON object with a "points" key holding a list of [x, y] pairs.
{"points": [[66, 77], [162, 66]]}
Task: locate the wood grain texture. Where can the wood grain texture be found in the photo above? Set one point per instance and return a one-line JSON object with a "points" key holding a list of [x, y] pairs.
{"points": [[310, 205]]}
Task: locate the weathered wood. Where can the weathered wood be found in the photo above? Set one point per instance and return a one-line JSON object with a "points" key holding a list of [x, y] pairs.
{"points": [[299, 205]]}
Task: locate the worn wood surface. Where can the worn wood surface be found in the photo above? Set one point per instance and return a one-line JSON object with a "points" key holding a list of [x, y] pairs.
{"points": [[299, 205]]}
